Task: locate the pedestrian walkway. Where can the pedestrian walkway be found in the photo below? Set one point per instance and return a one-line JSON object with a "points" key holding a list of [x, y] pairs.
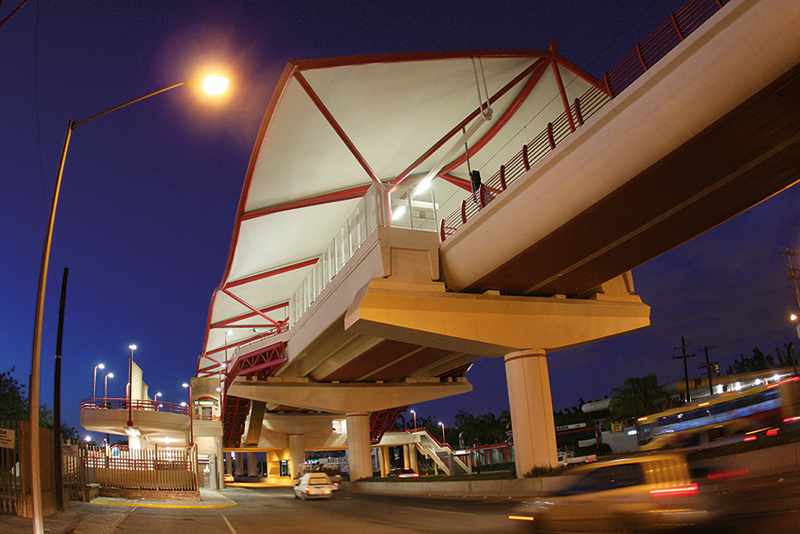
{"points": [[103, 514]]}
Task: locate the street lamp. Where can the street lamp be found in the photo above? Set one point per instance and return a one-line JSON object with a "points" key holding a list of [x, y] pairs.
{"points": [[94, 381], [444, 439], [415, 419], [191, 415], [155, 399], [36, 356], [105, 391], [130, 386]]}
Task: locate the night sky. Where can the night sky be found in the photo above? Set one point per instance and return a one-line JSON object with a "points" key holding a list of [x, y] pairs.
{"points": [[150, 192]]}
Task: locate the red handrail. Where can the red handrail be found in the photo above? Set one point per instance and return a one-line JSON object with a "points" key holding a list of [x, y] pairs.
{"points": [[646, 54], [136, 404]]}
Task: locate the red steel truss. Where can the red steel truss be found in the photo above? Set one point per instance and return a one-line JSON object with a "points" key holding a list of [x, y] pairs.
{"points": [[383, 421], [257, 365]]}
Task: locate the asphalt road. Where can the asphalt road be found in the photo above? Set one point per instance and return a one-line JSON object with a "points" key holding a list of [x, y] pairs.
{"points": [[770, 504], [275, 510]]}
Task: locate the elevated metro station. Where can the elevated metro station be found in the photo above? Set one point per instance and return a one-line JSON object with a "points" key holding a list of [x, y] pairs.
{"points": [[405, 215]]}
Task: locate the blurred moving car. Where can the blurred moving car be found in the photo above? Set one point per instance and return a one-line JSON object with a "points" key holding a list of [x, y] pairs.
{"points": [[403, 472], [334, 474], [313, 486], [626, 495]]}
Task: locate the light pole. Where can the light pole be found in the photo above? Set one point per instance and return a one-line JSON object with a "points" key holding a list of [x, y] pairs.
{"points": [[130, 386], [94, 382], [105, 390], [155, 399], [444, 439], [415, 419], [213, 85], [191, 415]]}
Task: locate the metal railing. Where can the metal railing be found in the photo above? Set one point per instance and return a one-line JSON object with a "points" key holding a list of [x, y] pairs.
{"points": [[370, 213], [646, 54], [135, 404]]}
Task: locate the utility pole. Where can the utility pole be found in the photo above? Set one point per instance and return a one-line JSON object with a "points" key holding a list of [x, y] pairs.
{"points": [[709, 367], [57, 437], [793, 274], [685, 366]]}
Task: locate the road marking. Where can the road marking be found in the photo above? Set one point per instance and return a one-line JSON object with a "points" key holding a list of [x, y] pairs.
{"points": [[432, 510], [233, 531]]}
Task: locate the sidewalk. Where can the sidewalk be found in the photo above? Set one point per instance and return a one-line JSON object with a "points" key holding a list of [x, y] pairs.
{"points": [[102, 515]]}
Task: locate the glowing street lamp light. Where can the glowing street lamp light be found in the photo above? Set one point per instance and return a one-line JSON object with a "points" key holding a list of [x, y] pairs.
{"points": [[444, 439], [215, 85], [36, 356], [94, 381], [415, 419]]}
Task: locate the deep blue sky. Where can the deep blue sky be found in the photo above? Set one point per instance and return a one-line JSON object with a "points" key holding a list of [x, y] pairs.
{"points": [[150, 193]]}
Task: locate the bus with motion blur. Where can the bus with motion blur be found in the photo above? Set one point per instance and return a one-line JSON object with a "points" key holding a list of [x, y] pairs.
{"points": [[723, 418]]}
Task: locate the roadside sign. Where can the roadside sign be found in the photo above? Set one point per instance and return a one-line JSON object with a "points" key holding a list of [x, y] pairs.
{"points": [[570, 427], [6, 438]]}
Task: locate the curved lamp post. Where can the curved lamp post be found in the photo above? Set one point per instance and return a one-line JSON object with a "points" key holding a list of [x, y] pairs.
{"points": [[216, 85], [94, 382], [444, 439], [105, 389]]}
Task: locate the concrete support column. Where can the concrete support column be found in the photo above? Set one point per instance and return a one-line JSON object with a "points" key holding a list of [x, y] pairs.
{"points": [[358, 446], [531, 410], [252, 464], [220, 464], [297, 454], [413, 457], [386, 461], [406, 456], [228, 464], [238, 468], [134, 442]]}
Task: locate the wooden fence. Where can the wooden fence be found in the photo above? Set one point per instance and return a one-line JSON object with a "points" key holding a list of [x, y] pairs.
{"points": [[160, 469]]}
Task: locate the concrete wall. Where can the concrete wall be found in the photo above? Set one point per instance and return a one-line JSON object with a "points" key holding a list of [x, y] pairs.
{"points": [[771, 461]]}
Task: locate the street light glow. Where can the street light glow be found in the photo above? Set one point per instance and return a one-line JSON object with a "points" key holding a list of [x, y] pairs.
{"points": [[215, 85]]}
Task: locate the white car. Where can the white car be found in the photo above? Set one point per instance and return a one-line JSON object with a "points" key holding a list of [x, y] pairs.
{"points": [[313, 486]]}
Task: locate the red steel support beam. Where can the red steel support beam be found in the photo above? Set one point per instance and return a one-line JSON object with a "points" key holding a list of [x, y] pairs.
{"points": [[336, 126], [326, 198], [227, 322], [248, 306], [268, 274], [564, 99], [456, 129], [507, 115]]}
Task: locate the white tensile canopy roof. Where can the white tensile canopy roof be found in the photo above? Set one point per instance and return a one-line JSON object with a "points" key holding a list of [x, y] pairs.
{"points": [[335, 126]]}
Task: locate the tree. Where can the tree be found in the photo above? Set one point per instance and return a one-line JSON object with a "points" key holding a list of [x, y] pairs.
{"points": [[636, 398], [14, 405]]}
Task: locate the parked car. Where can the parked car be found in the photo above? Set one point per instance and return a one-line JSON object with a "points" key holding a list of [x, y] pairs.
{"points": [[313, 486], [403, 472], [625, 495]]}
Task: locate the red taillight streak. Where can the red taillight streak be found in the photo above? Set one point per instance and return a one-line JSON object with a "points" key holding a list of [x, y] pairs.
{"points": [[773, 432], [749, 438], [728, 474], [675, 491]]}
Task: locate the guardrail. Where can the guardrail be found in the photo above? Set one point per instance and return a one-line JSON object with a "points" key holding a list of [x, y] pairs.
{"points": [[646, 54], [135, 404]]}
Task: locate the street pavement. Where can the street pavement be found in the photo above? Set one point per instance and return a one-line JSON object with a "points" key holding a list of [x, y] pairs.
{"points": [[104, 514]]}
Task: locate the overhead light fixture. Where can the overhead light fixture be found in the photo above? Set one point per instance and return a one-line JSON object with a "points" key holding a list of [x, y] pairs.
{"points": [[399, 212]]}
